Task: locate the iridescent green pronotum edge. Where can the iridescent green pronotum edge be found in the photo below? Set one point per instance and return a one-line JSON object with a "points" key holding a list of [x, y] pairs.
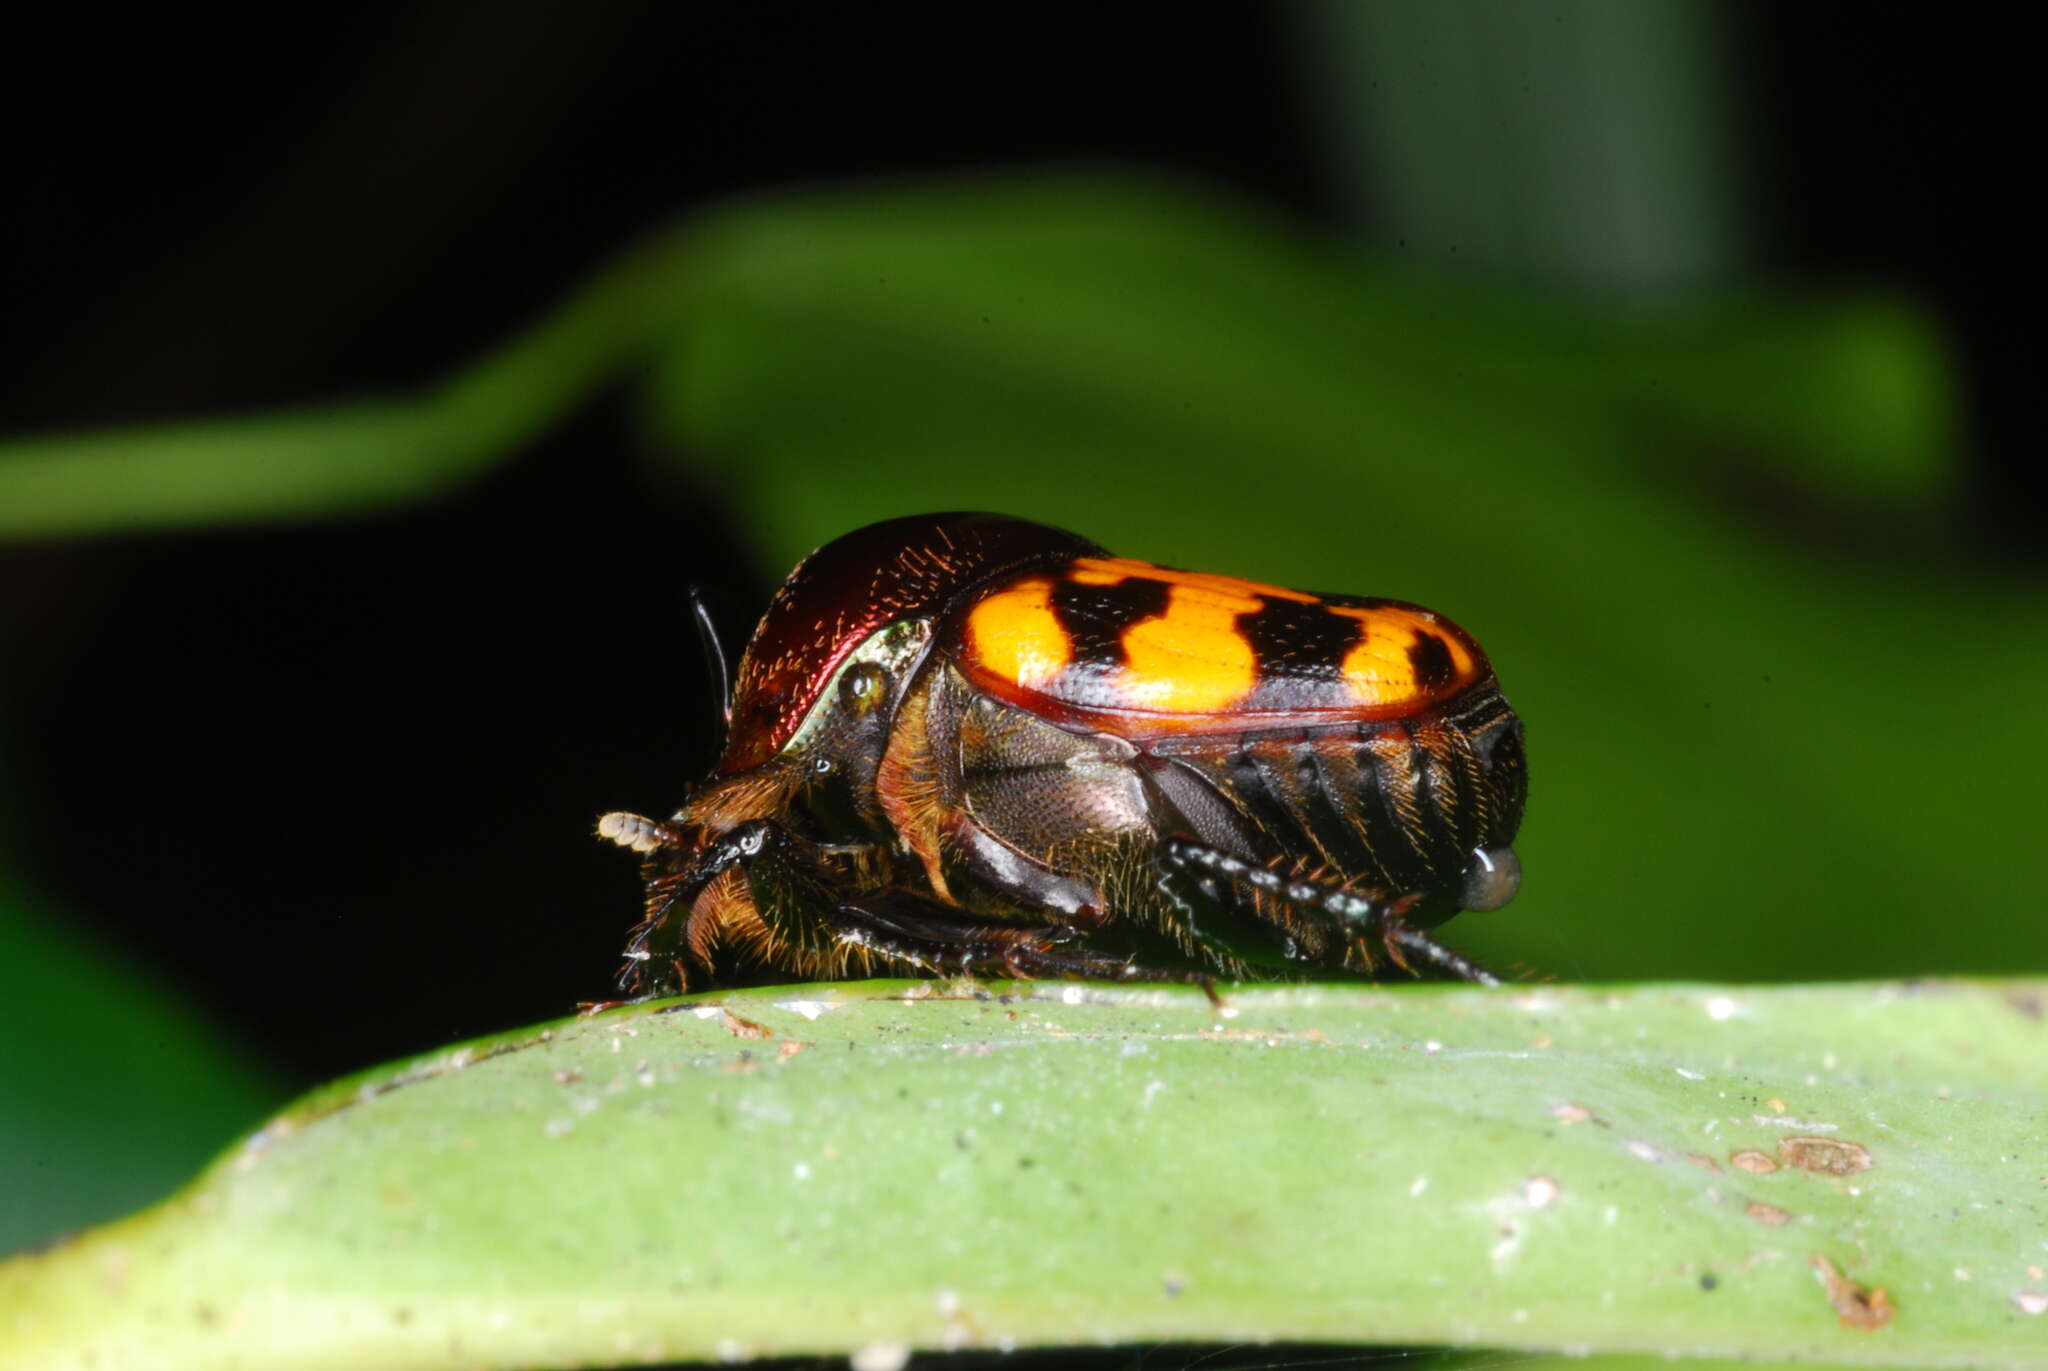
{"points": [[1845, 1174]]}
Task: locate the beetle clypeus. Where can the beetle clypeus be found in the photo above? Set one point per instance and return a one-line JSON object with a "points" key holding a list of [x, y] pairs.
{"points": [[965, 742]]}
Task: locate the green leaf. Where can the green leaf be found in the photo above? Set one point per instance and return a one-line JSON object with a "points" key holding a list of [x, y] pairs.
{"points": [[105, 1109], [825, 1169]]}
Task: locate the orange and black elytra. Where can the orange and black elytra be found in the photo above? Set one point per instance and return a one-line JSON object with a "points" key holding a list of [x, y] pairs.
{"points": [[966, 743]]}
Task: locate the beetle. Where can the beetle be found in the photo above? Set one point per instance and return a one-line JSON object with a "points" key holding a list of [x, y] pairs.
{"points": [[967, 742]]}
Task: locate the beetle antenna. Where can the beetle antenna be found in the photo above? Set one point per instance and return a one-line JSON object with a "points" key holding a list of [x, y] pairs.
{"points": [[714, 656]]}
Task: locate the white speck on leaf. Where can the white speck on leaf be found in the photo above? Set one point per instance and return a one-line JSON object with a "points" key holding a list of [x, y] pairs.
{"points": [[1720, 1007], [1783, 1121], [880, 1356]]}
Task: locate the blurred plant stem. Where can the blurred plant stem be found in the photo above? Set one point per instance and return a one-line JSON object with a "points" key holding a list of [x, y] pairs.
{"points": [[1846, 398]]}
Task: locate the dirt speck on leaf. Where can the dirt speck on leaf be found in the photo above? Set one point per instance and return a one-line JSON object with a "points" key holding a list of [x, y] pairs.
{"points": [[1769, 1215], [1754, 1162], [1856, 1306], [743, 1028], [1830, 1156]]}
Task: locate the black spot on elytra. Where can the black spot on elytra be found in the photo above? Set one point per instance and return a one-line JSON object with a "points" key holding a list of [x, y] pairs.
{"points": [[1430, 658], [1293, 639], [1095, 617]]}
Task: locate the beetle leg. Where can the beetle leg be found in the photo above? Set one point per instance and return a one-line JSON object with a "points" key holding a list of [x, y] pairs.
{"points": [[666, 891], [1232, 880], [1025, 880], [803, 910], [938, 937]]}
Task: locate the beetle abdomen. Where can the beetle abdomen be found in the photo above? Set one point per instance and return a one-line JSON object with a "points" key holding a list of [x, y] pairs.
{"points": [[1393, 804]]}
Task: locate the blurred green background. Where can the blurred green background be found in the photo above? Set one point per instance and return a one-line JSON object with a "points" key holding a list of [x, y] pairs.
{"points": [[372, 413]]}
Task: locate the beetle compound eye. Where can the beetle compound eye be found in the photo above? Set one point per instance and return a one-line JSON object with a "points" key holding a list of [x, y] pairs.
{"points": [[862, 688], [1492, 879]]}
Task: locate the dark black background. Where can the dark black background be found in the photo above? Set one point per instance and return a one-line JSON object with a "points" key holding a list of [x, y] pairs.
{"points": [[337, 781]]}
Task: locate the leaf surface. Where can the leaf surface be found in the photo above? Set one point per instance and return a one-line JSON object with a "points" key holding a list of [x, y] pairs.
{"points": [[1849, 1174]]}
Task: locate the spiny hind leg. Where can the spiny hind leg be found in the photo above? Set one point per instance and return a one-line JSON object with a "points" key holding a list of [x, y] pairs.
{"points": [[1360, 918]]}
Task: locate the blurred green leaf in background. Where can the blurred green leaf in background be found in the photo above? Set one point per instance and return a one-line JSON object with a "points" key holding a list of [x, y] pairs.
{"points": [[1711, 533]]}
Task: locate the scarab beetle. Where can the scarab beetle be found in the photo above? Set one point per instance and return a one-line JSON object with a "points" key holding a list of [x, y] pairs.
{"points": [[965, 743]]}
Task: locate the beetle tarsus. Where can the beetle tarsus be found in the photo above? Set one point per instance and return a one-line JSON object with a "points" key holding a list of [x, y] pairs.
{"points": [[1428, 949]]}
